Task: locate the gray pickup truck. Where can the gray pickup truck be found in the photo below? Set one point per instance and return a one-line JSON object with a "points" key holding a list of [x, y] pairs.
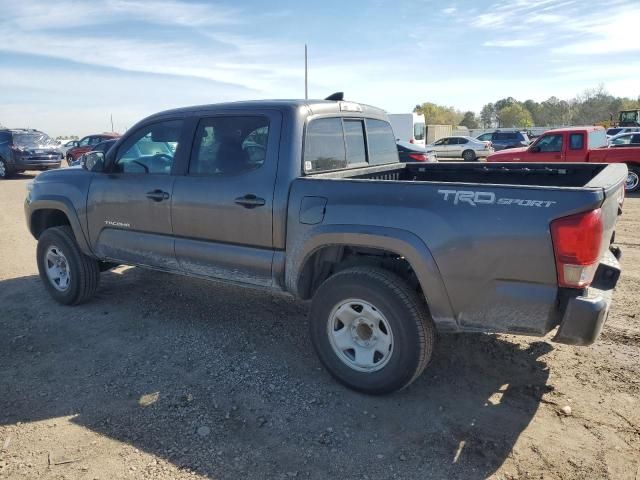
{"points": [[308, 198]]}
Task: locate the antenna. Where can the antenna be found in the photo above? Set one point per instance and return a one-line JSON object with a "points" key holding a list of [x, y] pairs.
{"points": [[111, 122], [306, 74]]}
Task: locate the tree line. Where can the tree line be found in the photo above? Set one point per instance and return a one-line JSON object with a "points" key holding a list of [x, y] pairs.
{"points": [[592, 107]]}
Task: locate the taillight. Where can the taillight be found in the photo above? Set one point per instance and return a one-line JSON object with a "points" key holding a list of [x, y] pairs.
{"points": [[418, 157], [411, 140], [576, 243]]}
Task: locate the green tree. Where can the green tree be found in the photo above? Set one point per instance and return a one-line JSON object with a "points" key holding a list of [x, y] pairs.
{"points": [[469, 120], [438, 114], [516, 116], [488, 115]]}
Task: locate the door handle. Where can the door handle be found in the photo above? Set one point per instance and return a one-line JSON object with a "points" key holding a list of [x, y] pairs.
{"points": [[157, 195], [250, 201]]}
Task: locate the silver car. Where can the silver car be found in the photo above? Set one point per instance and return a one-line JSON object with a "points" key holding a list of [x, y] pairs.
{"points": [[467, 148], [631, 139]]}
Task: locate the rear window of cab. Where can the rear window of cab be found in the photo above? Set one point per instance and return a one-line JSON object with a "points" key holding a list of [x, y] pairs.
{"points": [[339, 142]]}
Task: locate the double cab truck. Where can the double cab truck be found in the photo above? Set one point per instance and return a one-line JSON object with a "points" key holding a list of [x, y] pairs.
{"points": [[307, 198], [576, 144]]}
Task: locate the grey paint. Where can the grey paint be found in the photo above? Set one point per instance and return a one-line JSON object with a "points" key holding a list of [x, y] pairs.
{"points": [[483, 267]]}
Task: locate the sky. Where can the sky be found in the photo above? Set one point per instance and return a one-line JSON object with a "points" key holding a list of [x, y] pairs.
{"points": [[66, 66]]}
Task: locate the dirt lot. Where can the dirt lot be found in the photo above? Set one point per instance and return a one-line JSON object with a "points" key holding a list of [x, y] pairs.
{"points": [[163, 376]]}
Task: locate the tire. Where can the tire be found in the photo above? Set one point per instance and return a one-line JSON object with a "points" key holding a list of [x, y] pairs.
{"points": [[82, 272], [69, 160], [396, 308], [468, 155], [633, 179], [4, 170]]}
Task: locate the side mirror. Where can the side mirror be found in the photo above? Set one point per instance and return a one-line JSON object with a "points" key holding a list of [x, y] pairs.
{"points": [[535, 149], [93, 161]]}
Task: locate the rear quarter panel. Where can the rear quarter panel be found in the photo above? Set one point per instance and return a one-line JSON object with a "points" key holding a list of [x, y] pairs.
{"points": [[495, 260]]}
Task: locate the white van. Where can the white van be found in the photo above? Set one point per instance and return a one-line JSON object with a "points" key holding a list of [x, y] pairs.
{"points": [[408, 127]]}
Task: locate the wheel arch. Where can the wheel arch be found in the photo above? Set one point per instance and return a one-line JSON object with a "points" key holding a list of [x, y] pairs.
{"points": [[332, 248], [52, 212]]}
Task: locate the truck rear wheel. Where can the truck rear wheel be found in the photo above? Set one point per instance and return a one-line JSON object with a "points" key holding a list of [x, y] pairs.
{"points": [[371, 330], [633, 179], [70, 276]]}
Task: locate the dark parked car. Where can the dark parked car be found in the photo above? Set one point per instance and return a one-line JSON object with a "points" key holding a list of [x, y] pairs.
{"points": [[388, 252], [410, 152], [100, 147], [27, 149], [509, 139], [87, 143]]}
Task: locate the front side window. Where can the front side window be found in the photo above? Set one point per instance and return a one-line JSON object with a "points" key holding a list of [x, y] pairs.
{"points": [[382, 143], [418, 131], [229, 145], [576, 141], [550, 143], [150, 150], [324, 145]]}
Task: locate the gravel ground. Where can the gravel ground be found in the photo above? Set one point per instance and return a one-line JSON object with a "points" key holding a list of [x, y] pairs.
{"points": [[163, 376]]}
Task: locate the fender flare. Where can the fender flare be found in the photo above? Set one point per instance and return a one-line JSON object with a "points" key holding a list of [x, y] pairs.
{"points": [[401, 242], [63, 204]]}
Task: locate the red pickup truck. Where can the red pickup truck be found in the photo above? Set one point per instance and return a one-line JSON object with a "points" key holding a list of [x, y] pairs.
{"points": [[576, 144]]}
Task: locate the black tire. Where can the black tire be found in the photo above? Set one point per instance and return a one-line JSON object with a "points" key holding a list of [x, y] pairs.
{"points": [[84, 271], [69, 160], [405, 312], [4, 170], [469, 155], [633, 180]]}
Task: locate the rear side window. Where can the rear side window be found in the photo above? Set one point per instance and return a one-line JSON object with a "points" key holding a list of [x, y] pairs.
{"points": [[418, 131], [382, 144], [597, 139], [324, 145], [229, 145], [576, 141]]}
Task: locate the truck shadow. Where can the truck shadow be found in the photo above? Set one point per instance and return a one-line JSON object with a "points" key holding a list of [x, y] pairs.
{"points": [[224, 382]]}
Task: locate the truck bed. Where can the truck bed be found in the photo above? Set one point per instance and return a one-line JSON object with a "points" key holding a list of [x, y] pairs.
{"points": [[485, 228], [517, 174]]}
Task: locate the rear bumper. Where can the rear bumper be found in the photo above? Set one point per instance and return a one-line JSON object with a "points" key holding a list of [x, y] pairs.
{"points": [[586, 315]]}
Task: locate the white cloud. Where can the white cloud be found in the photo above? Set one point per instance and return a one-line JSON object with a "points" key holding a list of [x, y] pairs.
{"points": [[449, 10], [512, 43], [603, 34]]}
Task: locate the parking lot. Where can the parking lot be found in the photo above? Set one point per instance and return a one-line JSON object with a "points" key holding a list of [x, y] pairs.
{"points": [[164, 376]]}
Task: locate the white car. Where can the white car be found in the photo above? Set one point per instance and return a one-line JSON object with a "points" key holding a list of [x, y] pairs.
{"points": [[615, 131], [467, 148], [66, 146], [630, 139]]}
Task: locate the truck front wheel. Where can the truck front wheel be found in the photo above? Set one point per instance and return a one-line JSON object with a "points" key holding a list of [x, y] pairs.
{"points": [[371, 330], [70, 276], [633, 179]]}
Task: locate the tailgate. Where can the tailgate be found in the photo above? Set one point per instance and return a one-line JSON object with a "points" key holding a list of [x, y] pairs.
{"points": [[612, 181]]}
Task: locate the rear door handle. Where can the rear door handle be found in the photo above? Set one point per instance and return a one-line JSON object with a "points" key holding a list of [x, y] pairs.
{"points": [[250, 201], [157, 195]]}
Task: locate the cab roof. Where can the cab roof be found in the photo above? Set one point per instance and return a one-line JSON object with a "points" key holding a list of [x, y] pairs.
{"points": [[314, 107], [588, 128]]}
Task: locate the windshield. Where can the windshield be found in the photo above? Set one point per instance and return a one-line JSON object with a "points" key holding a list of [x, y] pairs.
{"points": [[629, 116], [613, 131], [33, 140]]}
